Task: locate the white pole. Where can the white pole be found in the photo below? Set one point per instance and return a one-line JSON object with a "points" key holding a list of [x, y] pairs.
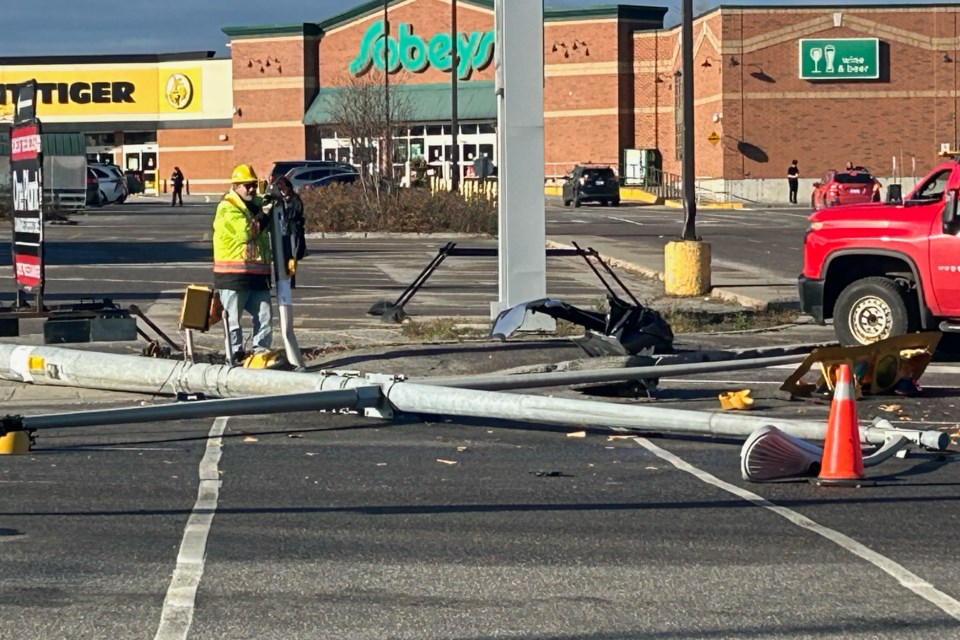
{"points": [[519, 82]]}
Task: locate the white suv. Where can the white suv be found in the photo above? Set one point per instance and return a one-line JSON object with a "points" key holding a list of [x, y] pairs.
{"points": [[106, 184]]}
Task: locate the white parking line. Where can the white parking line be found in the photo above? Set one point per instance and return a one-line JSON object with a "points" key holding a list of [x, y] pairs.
{"points": [[177, 614], [639, 224], [907, 579]]}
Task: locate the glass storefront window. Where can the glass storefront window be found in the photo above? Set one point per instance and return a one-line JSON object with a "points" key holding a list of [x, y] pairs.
{"points": [[487, 128], [100, 139], [436, 130], [140, 137], [468, 129], [418, 131], [416, 148]]}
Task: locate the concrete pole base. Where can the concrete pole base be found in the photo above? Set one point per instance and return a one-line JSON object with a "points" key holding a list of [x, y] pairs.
{"points": [[15, 443], [686, 268]]}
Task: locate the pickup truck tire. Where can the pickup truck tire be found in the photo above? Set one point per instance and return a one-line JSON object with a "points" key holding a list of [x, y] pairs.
{"points": [[869, 310]]}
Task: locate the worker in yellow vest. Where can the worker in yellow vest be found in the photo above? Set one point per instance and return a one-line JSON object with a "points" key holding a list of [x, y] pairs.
{"points": [[242, 263]]}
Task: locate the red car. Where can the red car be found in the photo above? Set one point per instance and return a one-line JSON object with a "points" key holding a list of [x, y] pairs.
{"points": [[854, 186]]}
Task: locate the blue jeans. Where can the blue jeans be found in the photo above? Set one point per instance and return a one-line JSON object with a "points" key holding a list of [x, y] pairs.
{"points": [[257, 304]]}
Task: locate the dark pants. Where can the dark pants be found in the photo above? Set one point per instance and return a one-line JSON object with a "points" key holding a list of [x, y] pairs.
{"points": [[794, 185], [177, 193]]}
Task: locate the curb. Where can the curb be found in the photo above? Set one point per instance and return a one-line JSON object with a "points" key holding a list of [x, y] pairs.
{"points": [[715, 292]]}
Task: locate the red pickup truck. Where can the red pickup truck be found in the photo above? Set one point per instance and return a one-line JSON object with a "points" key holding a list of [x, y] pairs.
{"points": [[887, 268]]}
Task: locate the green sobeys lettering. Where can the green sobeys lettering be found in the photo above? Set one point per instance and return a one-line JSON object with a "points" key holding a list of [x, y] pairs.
{"points": [[415, 54]]}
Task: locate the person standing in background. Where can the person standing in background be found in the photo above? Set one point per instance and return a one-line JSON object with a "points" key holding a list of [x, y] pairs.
{"points": [[177, 181], [793, 180]]}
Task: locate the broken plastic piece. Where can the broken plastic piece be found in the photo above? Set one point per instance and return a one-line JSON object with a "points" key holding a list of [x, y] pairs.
{"points": [[736, 400]]}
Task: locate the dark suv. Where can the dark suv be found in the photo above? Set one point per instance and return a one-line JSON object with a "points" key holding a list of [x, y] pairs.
{"points": [[281, 167], [591, 183]]}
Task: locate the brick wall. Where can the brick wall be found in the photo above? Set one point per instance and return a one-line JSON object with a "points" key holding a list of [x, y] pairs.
{"points": [[907, 113]]}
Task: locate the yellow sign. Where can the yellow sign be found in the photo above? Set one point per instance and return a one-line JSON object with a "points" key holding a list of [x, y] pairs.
{"points": [[106, 91], [713, 138]]}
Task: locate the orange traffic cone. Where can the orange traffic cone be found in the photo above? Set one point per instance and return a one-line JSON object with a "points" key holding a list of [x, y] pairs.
{"points": [[842, 463]]}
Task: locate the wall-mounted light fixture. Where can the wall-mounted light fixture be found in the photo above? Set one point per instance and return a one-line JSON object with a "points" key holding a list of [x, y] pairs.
{"points": [[947, 58], [237, 111], [222, 137], [263, 64], [733, 62], [577, 45], [706, 63]]}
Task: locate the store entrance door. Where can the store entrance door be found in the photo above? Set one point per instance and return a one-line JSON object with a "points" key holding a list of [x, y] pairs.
{"points": [[143, 160]]}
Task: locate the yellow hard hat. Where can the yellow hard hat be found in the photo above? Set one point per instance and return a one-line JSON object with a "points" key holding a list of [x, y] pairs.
{"points": [[243, 173]]}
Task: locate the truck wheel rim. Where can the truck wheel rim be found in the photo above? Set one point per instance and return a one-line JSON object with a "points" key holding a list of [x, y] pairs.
{"points": [[871, 319]]}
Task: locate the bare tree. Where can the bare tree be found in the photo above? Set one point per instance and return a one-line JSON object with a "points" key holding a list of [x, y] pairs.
{"points": [[360, 114]]}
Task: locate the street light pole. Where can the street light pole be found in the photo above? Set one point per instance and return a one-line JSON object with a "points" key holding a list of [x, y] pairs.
{"points": [[688, 173], [388, 135], [454, 116], [686, 262]]}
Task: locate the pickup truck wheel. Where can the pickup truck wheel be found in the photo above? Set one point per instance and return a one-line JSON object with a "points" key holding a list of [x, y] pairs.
{"points": [[869, 310]]}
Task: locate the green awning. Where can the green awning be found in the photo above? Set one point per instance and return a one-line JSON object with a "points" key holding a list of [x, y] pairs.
{"points": [[53, 144], [476, 100]]}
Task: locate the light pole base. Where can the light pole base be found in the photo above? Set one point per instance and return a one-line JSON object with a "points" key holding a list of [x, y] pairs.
{"points": [[686, 268]]}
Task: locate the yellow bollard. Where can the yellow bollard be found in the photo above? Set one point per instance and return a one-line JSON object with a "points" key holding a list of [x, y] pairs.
{"points": [[15, 443], [686, 268]]}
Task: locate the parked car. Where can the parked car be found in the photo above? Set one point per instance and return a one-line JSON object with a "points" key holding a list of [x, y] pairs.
{"points": [[853, 186], [591, 183], [106, 184], [337, 178], [302, 176], [283, 167], [134, 182]]}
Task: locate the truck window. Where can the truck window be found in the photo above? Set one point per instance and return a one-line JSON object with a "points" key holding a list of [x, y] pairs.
{"points": [[933, 188]]}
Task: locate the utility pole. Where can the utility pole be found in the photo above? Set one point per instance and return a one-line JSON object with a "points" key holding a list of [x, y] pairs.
{"points": [[454, 116], [688, 173], [686, 262], [388, 134]]}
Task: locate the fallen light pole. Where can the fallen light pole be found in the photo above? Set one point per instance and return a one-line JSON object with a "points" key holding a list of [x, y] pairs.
{"points": [[360, 398], [563, 378], [422, 398], [51, 365], [66, 367]]}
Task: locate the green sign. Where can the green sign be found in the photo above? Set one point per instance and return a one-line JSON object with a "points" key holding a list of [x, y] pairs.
{"points": [[415, 54], [840, 59]]}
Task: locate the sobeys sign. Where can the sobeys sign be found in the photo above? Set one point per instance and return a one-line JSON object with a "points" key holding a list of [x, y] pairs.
{"points": [[416, 54]]}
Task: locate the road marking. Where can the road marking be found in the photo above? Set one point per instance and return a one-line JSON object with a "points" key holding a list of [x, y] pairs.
{"points": [[910, 580], [177, 614], [639, 224]]}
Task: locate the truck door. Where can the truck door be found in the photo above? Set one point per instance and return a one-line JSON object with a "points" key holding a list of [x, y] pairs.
{"points": [[944, 248]]}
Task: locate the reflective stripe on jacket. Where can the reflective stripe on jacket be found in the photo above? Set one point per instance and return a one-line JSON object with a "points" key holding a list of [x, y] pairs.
{"points": [[233, 250]]}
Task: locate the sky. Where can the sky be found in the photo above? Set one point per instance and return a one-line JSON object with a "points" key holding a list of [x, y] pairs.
{"points": [[69, 27]]}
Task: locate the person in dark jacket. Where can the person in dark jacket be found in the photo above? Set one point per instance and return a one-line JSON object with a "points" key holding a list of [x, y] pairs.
{"points": [[176, 180], [294, 233]]}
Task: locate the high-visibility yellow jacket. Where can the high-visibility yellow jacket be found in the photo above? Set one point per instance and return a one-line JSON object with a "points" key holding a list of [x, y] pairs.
{"points": [[234, 252]]}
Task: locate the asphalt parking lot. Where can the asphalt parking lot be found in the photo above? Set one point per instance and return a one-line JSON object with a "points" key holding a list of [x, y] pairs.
{"points": [[324, 525]]}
